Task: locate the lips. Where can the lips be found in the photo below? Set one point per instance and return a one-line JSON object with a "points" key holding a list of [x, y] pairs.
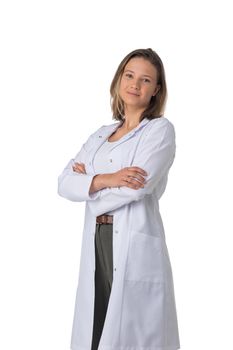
{"points": [[131, 93]]}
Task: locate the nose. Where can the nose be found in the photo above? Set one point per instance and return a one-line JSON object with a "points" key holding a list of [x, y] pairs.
{"points": [[135, 84]]}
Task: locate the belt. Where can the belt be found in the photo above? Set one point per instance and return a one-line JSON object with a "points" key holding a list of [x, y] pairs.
{"points": [[104, 219]]}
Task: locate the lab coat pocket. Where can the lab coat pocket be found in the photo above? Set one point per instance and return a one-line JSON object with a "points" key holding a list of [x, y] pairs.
{"points": [[145, 258]]}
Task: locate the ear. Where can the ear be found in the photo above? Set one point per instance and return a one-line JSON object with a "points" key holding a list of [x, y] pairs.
{"points": [[156, 90]]}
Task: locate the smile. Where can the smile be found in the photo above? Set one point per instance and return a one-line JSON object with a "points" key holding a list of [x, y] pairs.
{"points": [[132, 94]]}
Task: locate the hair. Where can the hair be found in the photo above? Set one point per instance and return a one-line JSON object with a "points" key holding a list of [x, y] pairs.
{"points": [[156, 106]]}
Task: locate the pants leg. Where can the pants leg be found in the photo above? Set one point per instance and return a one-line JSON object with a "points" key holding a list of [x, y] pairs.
{"points": [[103, 278]]}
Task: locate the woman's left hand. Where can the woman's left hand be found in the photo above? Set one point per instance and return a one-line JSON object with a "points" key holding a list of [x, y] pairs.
{"points": [[79, 168]]}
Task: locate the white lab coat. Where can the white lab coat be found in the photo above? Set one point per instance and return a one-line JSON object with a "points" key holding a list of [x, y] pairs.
{"points": [[141, 313]]}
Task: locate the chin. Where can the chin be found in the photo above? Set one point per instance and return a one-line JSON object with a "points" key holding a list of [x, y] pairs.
{"points": [[130, 99]]}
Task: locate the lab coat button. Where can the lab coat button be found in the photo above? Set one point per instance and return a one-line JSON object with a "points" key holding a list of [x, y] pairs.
{"points": [[116, 231], [110, 160], [114, 268]]}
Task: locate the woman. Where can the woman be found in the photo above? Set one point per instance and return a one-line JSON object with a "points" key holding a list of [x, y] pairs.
{"points": [[125, 295]]}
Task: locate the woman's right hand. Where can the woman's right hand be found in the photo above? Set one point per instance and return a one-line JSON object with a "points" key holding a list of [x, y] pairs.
{"points": [[132, 177]]}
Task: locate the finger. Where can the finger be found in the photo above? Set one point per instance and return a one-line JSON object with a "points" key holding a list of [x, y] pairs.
{"points": [[82, 165], [137, 169], [132, 183], [79, 165], [135, 182], [139, 178], [136, 175], [84, 169], [78, 169]]}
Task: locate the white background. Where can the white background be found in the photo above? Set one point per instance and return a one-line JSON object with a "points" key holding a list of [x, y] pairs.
{"points": [[58, 59]]}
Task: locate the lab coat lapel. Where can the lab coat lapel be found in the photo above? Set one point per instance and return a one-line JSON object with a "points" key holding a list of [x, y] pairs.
{"points": [[104, 134], [131, 133], [111, 128]]}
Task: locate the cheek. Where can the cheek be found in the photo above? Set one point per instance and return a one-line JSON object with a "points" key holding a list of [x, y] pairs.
{"points": [[122, 89], [122, 86], [149, 92]]}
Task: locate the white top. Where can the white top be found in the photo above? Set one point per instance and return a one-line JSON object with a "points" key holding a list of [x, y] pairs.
{"points": [[101, 157], [101, 160]]}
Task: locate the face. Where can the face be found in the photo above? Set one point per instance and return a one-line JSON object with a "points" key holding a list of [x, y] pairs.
{"points": [[138, 83]]}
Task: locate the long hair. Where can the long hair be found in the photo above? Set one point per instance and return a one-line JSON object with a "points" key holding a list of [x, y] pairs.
{"points": [[156, 106]]}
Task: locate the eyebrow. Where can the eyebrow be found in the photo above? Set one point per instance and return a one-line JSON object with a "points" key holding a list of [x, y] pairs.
{"points": [[144, 75]]}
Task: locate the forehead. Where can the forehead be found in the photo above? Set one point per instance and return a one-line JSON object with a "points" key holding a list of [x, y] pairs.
{"points": [[141, 66]]}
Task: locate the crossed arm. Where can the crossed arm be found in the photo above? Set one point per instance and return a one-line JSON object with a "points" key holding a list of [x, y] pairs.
{"points": [[75, 186], [155, 155]]}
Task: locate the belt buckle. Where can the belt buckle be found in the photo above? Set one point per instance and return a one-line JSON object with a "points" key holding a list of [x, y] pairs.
{"points": [[104, 219]]}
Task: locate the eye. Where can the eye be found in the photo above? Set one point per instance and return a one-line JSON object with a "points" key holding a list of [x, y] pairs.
{"points": [[128, 75], [147, 80]]}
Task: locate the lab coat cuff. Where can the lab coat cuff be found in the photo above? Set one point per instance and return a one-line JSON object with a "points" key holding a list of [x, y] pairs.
{"points": [[76, 186], [87, 180]]}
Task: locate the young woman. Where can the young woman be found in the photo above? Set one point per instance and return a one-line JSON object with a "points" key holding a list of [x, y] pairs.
{"points": [[125, 295]]}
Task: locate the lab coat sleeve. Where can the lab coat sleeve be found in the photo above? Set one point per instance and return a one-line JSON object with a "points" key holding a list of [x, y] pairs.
{"points": [[75, 186], [155, 155]]}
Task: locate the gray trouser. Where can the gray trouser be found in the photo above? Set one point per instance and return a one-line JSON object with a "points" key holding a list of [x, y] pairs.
{"points": [[103, 278]]}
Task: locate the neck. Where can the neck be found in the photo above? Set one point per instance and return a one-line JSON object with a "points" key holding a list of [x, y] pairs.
{"points": [[132, 118]]}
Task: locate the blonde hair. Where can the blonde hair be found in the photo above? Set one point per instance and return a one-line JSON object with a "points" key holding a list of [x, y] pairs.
{"points": [[156, 107]]}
